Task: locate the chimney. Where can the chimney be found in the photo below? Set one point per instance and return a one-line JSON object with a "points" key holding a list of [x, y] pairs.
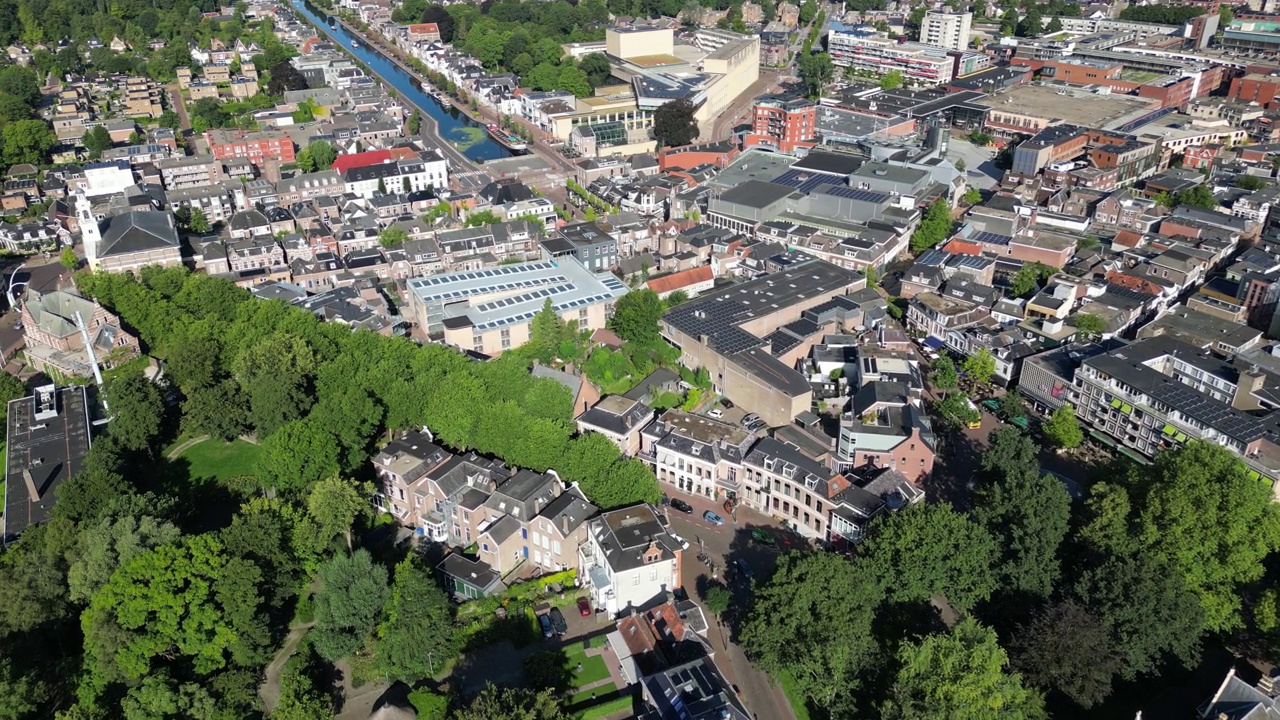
{"points": [[564, 524], [1248, 383]]}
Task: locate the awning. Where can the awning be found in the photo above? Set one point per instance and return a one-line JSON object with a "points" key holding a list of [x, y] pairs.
{"points": [[1180, 437], [1254, 475], [1169, 430], [1115, 402], [1133, 455], [1104, 439], [934, 343], [1126, 408]]}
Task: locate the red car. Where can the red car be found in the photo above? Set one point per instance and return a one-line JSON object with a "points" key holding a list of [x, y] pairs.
{"points": [[584, 607]]}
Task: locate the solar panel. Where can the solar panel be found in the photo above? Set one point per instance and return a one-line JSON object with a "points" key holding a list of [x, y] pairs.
{"points": [[855, 194], [991, 238]]}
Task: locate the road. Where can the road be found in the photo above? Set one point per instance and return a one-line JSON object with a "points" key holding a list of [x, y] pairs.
{"points": [[726, 544], [739, 111]]}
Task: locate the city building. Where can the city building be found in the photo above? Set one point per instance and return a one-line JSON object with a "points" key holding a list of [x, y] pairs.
{"points": [[619, 418], [491, 310], [695, 454], [259, 147], [47, 439], [946, 29], [785, 124], [629, 559], [734, 334], [54, 340], [586, 242]]}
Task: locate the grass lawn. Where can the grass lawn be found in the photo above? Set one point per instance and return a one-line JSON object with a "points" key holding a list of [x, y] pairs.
{"points": [[593, 669], [794, 697], [219, 460]]}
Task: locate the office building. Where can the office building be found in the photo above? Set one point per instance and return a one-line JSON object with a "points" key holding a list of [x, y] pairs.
{"points": [[783, 123], [946, 29], [491, 310], [47, 441]]}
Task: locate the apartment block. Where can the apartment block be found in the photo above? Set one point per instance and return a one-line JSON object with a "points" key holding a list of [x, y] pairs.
{"points": [[783, 123], [629, 559], [258, 147], [189, 172], [861, 47], [946, 29], [695, 454]]}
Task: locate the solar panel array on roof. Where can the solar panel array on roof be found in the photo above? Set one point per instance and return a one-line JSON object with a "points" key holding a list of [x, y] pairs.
{"points": [[968, 261], [802, 327], [1204, 409], [806, 181], [856, 194], [932, 258], [991, 238]]}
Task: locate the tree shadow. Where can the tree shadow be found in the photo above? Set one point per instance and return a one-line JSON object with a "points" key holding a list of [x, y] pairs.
{"points": [[548, 669]]}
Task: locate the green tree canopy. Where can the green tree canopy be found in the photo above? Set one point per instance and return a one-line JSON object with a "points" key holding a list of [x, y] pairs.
{"points": [[513, 704], [1062, 429], [960, 676], [1067, 648], [299, 453], [1027, 513], [351, 597], [674, 124], [943, 375], [891, 80], [417, 638], [137, 411], [636, 316], [980, 367], [929, 550], [1089, 325], [813, 619]]}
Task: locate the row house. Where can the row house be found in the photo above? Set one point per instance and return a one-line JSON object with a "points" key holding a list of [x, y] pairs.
{"points": [[308, 186], [473, 248], [427, 172], [619, 418], [695, 454], [243, 255], [516, 518], [259, 146]]}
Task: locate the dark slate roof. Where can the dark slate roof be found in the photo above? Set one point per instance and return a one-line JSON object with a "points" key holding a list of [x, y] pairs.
{"points": [[138, 231], [569, 511]]}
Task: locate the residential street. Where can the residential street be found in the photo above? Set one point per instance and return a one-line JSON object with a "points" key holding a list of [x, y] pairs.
{"points": [[726, 544]]}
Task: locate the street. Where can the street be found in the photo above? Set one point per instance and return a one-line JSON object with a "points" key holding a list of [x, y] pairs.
{"points": [[725, 545]]}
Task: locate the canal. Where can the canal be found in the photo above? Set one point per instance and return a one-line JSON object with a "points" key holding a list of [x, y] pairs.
{"points": [[469, 137]]}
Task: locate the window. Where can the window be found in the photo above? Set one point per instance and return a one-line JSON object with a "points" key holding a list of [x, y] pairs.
{"points": [[555, 547], [524, 534], [484, 547], [653, 574], [635, 579]]}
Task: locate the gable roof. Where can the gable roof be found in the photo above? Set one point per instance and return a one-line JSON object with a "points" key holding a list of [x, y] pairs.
{"points": [[138, 231]]}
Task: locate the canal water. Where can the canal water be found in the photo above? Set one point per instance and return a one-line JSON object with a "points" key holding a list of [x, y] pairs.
{"points": [[469, 137]]}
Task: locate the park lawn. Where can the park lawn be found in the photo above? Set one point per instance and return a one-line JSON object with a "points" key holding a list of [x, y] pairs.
{"points": [[794, 697], [219, 460]]}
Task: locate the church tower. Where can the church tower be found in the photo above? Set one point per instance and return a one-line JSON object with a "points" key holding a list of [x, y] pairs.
{"points": [[90, 234]]}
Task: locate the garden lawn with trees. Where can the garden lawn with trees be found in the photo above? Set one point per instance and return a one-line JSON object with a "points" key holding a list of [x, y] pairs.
{"points": [[154, 593]]}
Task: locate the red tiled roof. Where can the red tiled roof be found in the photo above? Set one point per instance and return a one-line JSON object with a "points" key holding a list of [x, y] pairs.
{"points": [[960, 247], [1127, 238], [361, 159], [677, 280], [424, 29], [1133, 282]]}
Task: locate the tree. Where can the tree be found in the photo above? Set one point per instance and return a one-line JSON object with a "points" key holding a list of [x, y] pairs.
{"points": [[11, 388], [1147, 610], [1054, 26], [188, 602], [929, 550], [97, 139], [636, 316], [1250, 182], [437, 14], [817, 70], [980, 367], [219, 411], [285, 77], [1063, 428], [944, 376], [718, 600], [1090, 326], [808, 10], [199, 222], [674, 124], [1031, 24], [26, 141], [68, 258], [972, 196], [813, 619], [1012, 405], [1028, 278], [22, 83], [959, 676], [1067, 648], [298, 454], [1199, 196], [934, 228], [417, 638], [891, 80], [1199, 511], [170, 119], [352, 593], [956, 411], [302, 692], [318, 155], [1027, 514], [137, 411], [1009, 454], [335, 504], [113, 542], [574, 80], [513, 704], [597, 68], [1009, 22], [414, 125], [393, 237]]}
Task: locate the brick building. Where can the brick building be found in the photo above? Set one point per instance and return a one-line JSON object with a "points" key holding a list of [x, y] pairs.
{"points": [[257, 147], [783, 123]]}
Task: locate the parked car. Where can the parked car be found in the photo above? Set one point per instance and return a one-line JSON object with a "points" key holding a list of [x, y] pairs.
{"points": [[584, 607], [745, 569], [712, 518], [716, 413], [684, 544], [545, 622], [726, 402], [749, 419], [762, 537], [557, 621], [681, 505]]}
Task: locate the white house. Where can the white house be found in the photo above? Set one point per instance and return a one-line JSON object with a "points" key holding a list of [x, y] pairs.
{"points": [[413, 175], [628, 559], [106, 178]]}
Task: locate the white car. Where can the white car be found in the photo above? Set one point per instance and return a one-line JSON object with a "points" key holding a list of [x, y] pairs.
{"points": [[716, 413], [684, 544]]}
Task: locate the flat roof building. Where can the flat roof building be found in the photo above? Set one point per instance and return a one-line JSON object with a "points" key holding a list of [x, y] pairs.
{"points": [[47, 440], [726, 331], [491, 310]]}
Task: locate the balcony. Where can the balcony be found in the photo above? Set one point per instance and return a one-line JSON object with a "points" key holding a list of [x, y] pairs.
{"points": [[433, 526]]}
